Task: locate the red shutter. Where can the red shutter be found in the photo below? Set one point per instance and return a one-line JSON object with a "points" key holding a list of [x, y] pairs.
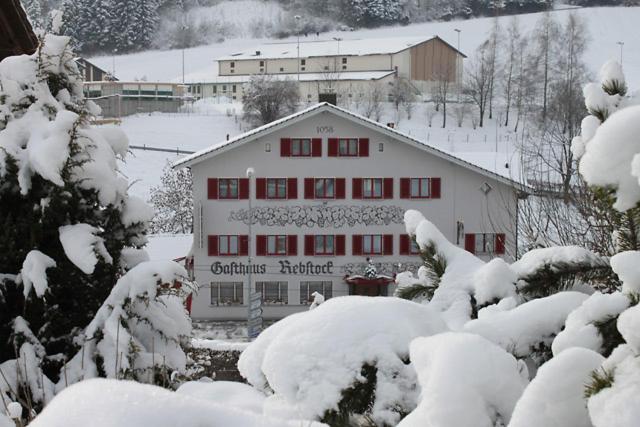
{"points": [[363, 147], [261, 245], [309, 188], [212, 188], [405, 188], [243, 188], [332, 147], [213, 245], [356, 244], [285, 147], [500, 241], [309, 245], [243, 250], [387, 244], [356, 188], [340, 244], [340, 188], [405, 244], [261, 188], [435, 187], [292, 245], [316, 147], [292, 188], [387, 188], [470, 243]]}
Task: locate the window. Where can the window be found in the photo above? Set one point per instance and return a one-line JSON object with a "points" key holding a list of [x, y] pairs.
{"points": [[372, 244], [276, 188], [303, 62], [324, 245], [308, 288], [273, 292], [381, 147], [420, 188], [302, 68], [485, 243], [262, 63], [414, 249], [281, 69], [344, 67], [233, 88], [228, 245], [228, 188], [348, 147], [301, 147], [324, 188], [344, 60], [372, 188], [277, 245], [215, 89], [232, 64], [226, 293], [224, 88]]}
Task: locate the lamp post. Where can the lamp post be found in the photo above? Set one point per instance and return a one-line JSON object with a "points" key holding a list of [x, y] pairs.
{"points": [[297, 18], [113, 64], [184, 28], [621, 44], [250, 173], [458, 69], [338, 39]]}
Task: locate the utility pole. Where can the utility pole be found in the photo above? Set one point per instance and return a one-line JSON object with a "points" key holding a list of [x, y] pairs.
{"points": [[297, 18], [621, 44], [458, 64]]}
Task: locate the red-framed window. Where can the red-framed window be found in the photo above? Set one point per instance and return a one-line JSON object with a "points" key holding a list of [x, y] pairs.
{"points": [[276, 188], [324, 244], [408, 246], [324, 188], [276, 245], [485, 243], [372, 244], [228, 245], [420, 188], [227, 188], [348, 147], [372, 188], [301, 147]]}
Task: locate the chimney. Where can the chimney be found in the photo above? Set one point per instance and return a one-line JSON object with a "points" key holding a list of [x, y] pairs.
{"points": [[257, 53]]}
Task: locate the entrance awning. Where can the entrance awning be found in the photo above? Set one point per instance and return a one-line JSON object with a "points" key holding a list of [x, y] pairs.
{"points": [[373, 281]]}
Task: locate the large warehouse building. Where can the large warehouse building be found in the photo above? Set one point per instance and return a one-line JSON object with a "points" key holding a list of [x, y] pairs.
{"points": [[347, 68], [328, 193]]}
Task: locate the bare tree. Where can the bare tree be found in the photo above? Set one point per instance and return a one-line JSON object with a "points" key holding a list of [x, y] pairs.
{"points": [[441, 88], [267, 99], [373, 102], [330, 73], [460, 111], [401, 92], [173, 202], [511, 63], [493, 61], [544, 36], [431, 112], [478, 79]]}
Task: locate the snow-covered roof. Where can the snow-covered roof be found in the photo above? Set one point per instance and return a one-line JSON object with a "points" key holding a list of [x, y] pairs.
{"points": [[309, 49], [251, 135], [304, 77]]}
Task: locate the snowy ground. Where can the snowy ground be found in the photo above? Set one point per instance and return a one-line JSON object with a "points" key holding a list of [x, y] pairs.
{"points": [[607, 26]]}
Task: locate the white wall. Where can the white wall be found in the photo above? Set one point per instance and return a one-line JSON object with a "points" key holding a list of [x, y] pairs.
{"points": [[461, 200]]}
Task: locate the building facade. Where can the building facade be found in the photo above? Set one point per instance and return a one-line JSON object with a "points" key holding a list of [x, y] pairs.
{"points": [[347, 68], [328, 196], [118, 99]]}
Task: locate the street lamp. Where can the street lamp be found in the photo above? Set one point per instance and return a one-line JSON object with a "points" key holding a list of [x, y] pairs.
{"points": [[250, 173], [621, 44], [338, 39], [113, 65], [458, 68], [297, 18], [184, 28]]}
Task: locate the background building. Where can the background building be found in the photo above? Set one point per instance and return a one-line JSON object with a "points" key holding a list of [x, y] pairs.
{"points": [[345, 67], [329, 194]]}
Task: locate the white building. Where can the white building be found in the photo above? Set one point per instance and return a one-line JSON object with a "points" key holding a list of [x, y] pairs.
{"points": [[329, 191], [343, 67]]}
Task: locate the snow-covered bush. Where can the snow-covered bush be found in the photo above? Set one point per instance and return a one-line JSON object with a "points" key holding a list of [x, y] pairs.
{"points": [[465, 380], [103, 403], [140, 330], [347, 357]]}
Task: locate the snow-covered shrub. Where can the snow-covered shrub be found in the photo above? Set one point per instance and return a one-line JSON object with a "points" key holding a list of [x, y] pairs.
{"points": [[465, 380], [103, 402], [140, 330], [555, 397], [347, 357]]}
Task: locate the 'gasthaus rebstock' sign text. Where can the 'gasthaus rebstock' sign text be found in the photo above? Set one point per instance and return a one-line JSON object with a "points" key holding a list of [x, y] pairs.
{"points": [[284, 267]]}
